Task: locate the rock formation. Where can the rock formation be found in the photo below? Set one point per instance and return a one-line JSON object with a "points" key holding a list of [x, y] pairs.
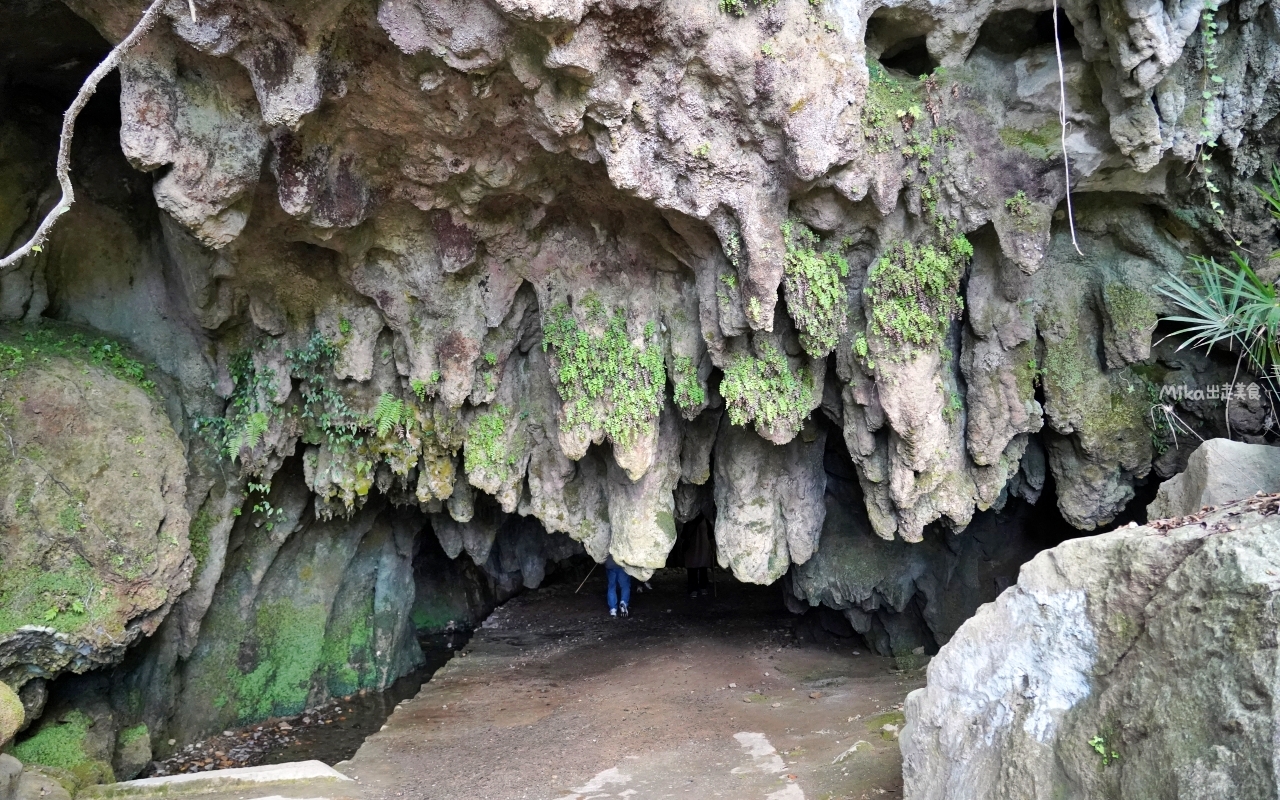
{"points": [[432, 298], [1138, 663], [1218, 472]]}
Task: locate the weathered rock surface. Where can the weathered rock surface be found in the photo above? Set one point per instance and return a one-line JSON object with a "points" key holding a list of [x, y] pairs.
{"points": [[10, 774], [1139, 663], [12, 714], [1218, 472], [492, 270], [614, 182], [902, 596], [19, 784], [93, 519]]}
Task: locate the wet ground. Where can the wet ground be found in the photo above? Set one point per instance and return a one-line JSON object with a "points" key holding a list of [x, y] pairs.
{"points": [[329, 733], [554, 700]]}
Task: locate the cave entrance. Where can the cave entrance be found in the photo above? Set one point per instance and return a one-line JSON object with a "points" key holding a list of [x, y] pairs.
{"points": [[1012, 33], [574, 698], [897, 38]]}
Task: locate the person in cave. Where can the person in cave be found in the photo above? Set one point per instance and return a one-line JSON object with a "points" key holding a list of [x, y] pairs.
{"points": [[619, 588], [699, 552]]}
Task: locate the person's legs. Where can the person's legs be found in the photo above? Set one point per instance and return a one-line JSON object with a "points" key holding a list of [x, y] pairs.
{"points": [[692, 574], [624, 583], [612, 574]]}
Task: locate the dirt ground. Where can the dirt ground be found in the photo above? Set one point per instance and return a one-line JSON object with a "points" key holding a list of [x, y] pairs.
{"points": [[554, 700]]}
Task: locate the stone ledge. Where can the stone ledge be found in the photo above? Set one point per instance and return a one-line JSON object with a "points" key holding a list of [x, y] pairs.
{"points": [[218, 780]]}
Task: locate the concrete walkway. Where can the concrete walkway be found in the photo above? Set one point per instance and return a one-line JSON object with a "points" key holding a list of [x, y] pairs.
{"points": [[554, 700]]}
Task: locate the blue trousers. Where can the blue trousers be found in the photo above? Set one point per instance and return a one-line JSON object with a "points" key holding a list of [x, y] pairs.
{"points": [[619, 581]]}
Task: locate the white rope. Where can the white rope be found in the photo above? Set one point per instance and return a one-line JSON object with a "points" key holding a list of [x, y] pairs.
{"points": [[1062, 121]]}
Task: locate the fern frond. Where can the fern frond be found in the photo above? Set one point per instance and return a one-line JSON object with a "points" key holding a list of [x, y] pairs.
{"points": [[389, 414]]}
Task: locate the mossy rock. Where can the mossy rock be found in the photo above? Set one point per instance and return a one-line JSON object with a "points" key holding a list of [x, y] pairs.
{"points": [[93, 523], [11, 714], [60, 748], [133, 751]]}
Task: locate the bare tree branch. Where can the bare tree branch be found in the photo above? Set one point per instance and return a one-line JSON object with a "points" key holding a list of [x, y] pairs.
{"points": [[63, 172], [1062, 120]]}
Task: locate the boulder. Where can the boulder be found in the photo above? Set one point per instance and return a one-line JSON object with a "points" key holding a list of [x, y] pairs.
{"points": [[1218, 472], [1140, 663], [37, 785], [93, 522], [10, 775], [11, 714]]}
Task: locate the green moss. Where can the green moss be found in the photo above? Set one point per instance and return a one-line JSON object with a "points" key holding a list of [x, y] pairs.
{"points": [[70, 519], [1042, 143], [62, 595], [763, 390], [486, 446], [198, 533], [1132, 312], [61, 745], [347, 657], [130, 735], [1064, 367], [888, 102], [914, 293], [605, 381], [23, 345], [1107, 410], [289, 639], [815, 291], [1026, 371], [876, 723], [688, 394]]}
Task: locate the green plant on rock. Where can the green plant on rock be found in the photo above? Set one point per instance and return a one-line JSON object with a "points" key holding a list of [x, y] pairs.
{"points": [[1227, 304], [52, 340], [954, 405], [815, 290], [486, 446], [248, 415], [739, 7], [326, 412], [391, 414], [1019, 205], [61, 745], [733, 251], [201, 527], [688, 393], [424, 389], [886, 96], [606, 381], [914, 293], [1100, 746], [763, 390]]}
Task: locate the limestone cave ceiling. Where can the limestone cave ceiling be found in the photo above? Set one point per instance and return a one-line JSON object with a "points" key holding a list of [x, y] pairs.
{"points": [[609, 265]]}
